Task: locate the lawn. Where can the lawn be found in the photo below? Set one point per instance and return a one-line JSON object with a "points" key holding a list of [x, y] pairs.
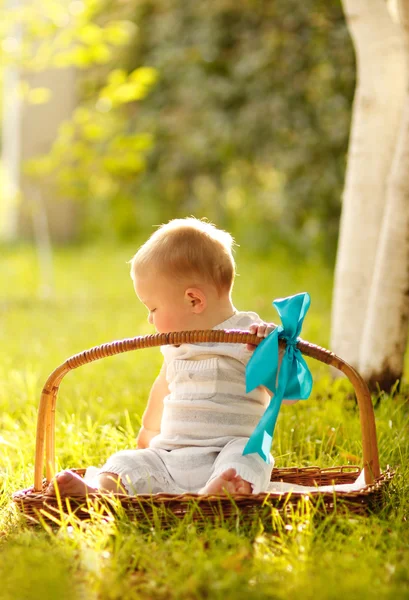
{"points": [[99, 411]]}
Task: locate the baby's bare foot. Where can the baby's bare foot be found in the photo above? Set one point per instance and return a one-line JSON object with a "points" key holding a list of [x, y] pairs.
{"points": [[244, 487], [69, 484], [227, 483]]}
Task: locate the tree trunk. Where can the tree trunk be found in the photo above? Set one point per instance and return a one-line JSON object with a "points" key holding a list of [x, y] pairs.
{"points": [[377, 111], [11, 123], [39, 129], [10, 157], [28, 131], [386, 325]]}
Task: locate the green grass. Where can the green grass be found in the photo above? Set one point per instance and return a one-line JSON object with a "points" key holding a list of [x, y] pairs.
{"points": [[99, 410]]}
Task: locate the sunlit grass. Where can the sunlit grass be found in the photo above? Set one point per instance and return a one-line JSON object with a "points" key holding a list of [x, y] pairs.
{"points": [[99, 410]]}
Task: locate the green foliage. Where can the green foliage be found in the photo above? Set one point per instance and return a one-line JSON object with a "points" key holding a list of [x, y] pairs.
{"points": [[96, 155], [250, 116], [98, 412], [45, 34], [247, 124]]}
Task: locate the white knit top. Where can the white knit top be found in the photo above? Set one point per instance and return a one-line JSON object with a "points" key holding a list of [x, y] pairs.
{"points": [[208, 405]]}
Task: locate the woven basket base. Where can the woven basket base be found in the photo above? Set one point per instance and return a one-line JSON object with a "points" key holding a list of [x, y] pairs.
{"points": [[161, 509]]}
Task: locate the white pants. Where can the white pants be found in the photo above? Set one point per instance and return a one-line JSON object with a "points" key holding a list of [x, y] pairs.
{"points": [[187, 469]]}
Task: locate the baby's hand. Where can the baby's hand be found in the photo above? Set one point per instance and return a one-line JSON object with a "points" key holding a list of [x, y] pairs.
{"points": [[262, 330]]}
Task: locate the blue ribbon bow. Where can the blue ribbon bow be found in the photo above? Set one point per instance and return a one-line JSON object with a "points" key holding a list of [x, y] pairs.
{"points": [[294, 378]]}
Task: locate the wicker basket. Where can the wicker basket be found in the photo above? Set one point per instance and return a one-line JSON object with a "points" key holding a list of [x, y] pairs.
{"points": [[35, 505]]}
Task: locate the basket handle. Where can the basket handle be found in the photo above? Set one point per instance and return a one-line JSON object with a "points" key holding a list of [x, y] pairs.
{"points": [[46, 414]]}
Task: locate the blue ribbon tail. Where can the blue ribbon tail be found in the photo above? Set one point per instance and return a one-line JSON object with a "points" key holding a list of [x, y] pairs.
{"points": [[262, 437], [263, 365]]}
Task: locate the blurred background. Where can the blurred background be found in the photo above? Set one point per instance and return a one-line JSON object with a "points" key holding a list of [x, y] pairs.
{"points": [[119, 115]]}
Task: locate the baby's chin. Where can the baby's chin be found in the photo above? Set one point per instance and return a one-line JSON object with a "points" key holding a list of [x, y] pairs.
{"points": [[163, 330], [172, 330]]}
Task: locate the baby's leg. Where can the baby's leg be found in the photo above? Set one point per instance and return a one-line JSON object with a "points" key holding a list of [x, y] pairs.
{"points": [[129, 471], [251, 473]]}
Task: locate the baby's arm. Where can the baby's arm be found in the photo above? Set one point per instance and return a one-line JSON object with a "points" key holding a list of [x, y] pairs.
{"points": [[262, 330], [152, 416]]}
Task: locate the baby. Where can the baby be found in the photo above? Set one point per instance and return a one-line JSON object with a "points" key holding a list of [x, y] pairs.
{"points": [[198, 417]]}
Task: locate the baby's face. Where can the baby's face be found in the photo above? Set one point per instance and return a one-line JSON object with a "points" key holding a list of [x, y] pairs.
{"points": [[165, 300]]}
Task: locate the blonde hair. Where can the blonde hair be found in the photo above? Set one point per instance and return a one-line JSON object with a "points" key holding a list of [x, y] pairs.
{"points": [[189, 249]]}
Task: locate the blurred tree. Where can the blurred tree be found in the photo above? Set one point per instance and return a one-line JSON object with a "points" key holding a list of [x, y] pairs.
{"points": [[47, 47], [386, 338], [376, 116], [249, 118], [250, 115], [374, 322]]}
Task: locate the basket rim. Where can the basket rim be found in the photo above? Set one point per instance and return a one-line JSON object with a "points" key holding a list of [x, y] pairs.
{"points": [[30, 495], [45, 440]]}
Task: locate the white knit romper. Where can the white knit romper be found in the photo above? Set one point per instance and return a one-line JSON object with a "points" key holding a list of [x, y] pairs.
{"points": [[207, 420]]}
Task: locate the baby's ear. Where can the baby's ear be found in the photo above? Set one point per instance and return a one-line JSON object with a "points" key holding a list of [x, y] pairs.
{"points": [[196, 300]]}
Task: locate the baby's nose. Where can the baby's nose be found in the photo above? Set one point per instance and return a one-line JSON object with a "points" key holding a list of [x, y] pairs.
{"points": [[150, 319]]}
